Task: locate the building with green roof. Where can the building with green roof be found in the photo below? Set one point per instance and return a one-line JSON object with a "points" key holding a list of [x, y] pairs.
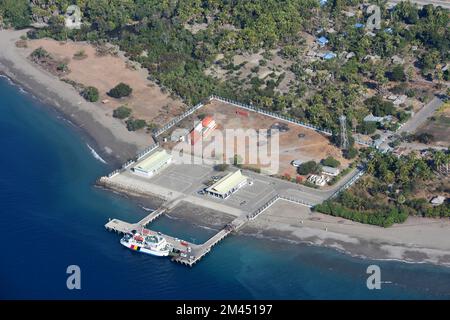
{"points": [[152, 164], [229, 184]]}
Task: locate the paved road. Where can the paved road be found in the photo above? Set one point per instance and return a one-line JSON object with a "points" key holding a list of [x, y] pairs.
{"points": [[421, 117], [442, 3]]}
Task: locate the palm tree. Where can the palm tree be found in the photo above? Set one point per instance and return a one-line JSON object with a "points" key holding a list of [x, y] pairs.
{"points": [[439, 159], [446, 162]]}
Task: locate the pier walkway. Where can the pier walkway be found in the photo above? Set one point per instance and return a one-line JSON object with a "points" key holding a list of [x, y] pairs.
{"points": [[185, 252], [152, 216], [120, 226], [199, 251]]}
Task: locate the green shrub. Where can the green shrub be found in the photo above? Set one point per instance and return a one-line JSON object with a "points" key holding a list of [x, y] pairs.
{"points": [[63, 67], [40, 53], [221, 167], [425, 138], [122, 112], [135, 124], [350, 153], [80, 54], [397, 74], [90, 94], [331, 162], [380, 107], [308, 167], [120, 91], [367, 127]]}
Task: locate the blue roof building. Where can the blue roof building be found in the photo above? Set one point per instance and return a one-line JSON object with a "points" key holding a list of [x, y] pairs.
{"points": [[359, 25], [329, 55], [322, 41]]}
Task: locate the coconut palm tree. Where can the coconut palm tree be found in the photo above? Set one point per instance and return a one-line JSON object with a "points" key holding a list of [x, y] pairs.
{"points": [[439, 159]]}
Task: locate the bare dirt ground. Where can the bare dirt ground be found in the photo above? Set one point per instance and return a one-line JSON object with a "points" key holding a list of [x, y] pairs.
{"points": [[439, 127], [249, 61], [107, 135], [104, 72], [298, 143]]}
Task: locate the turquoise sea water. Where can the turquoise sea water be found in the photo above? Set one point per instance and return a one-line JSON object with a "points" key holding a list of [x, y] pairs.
{"points": [[51, 217]]}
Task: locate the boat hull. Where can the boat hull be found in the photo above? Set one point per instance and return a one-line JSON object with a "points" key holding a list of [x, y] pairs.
{"points": [[157, 253]]}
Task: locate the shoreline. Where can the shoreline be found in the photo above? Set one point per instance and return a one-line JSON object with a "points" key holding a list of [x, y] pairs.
{"points": [[88, 138], [106, 135], [273, 229], [110, 139]]}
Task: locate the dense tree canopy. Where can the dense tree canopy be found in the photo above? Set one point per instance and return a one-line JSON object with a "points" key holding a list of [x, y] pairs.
{"points": [[388, 194], [15, 12], [158, 35]]}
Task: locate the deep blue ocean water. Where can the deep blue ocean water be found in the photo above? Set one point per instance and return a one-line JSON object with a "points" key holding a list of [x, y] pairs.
{"points": [[51, 217]]}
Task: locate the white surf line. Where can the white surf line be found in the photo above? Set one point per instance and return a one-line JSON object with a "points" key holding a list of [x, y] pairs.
{"points": [[17, 85], [95, 154]]}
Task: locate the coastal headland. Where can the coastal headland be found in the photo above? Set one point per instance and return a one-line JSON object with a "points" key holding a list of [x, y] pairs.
{"points": [[110, 138], [418, 240]]}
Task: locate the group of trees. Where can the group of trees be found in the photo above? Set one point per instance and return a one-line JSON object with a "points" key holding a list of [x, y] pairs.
{"points": [[379, 106], [123, 112], [349, 207], [405, 171], [177, 59], [154, 33], [424, 137], [15, 13], [308, 168], [388, 194], [331, 162], [397, 73]]}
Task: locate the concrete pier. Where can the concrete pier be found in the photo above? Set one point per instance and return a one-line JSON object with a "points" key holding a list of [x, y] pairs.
{"points": [[185, 252]]}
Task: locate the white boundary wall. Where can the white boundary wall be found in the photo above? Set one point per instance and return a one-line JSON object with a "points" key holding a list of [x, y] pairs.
{"points": [[190, 111]]}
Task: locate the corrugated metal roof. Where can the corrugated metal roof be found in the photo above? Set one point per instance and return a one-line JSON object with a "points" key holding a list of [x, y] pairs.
{"points": [[322, 40], [227, 183], [207, 120], [331, 170], [154, 161]]}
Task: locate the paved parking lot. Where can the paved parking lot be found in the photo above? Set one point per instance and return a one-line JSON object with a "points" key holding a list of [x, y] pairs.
{"points": [[249, 197], [189, 179], [186, 180]]}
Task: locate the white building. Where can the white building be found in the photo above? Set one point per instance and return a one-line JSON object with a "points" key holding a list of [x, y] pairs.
{"points": [[154, 163], [330, 171], [72, 18], [438, 200], [372, 118], [228, 185]]}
